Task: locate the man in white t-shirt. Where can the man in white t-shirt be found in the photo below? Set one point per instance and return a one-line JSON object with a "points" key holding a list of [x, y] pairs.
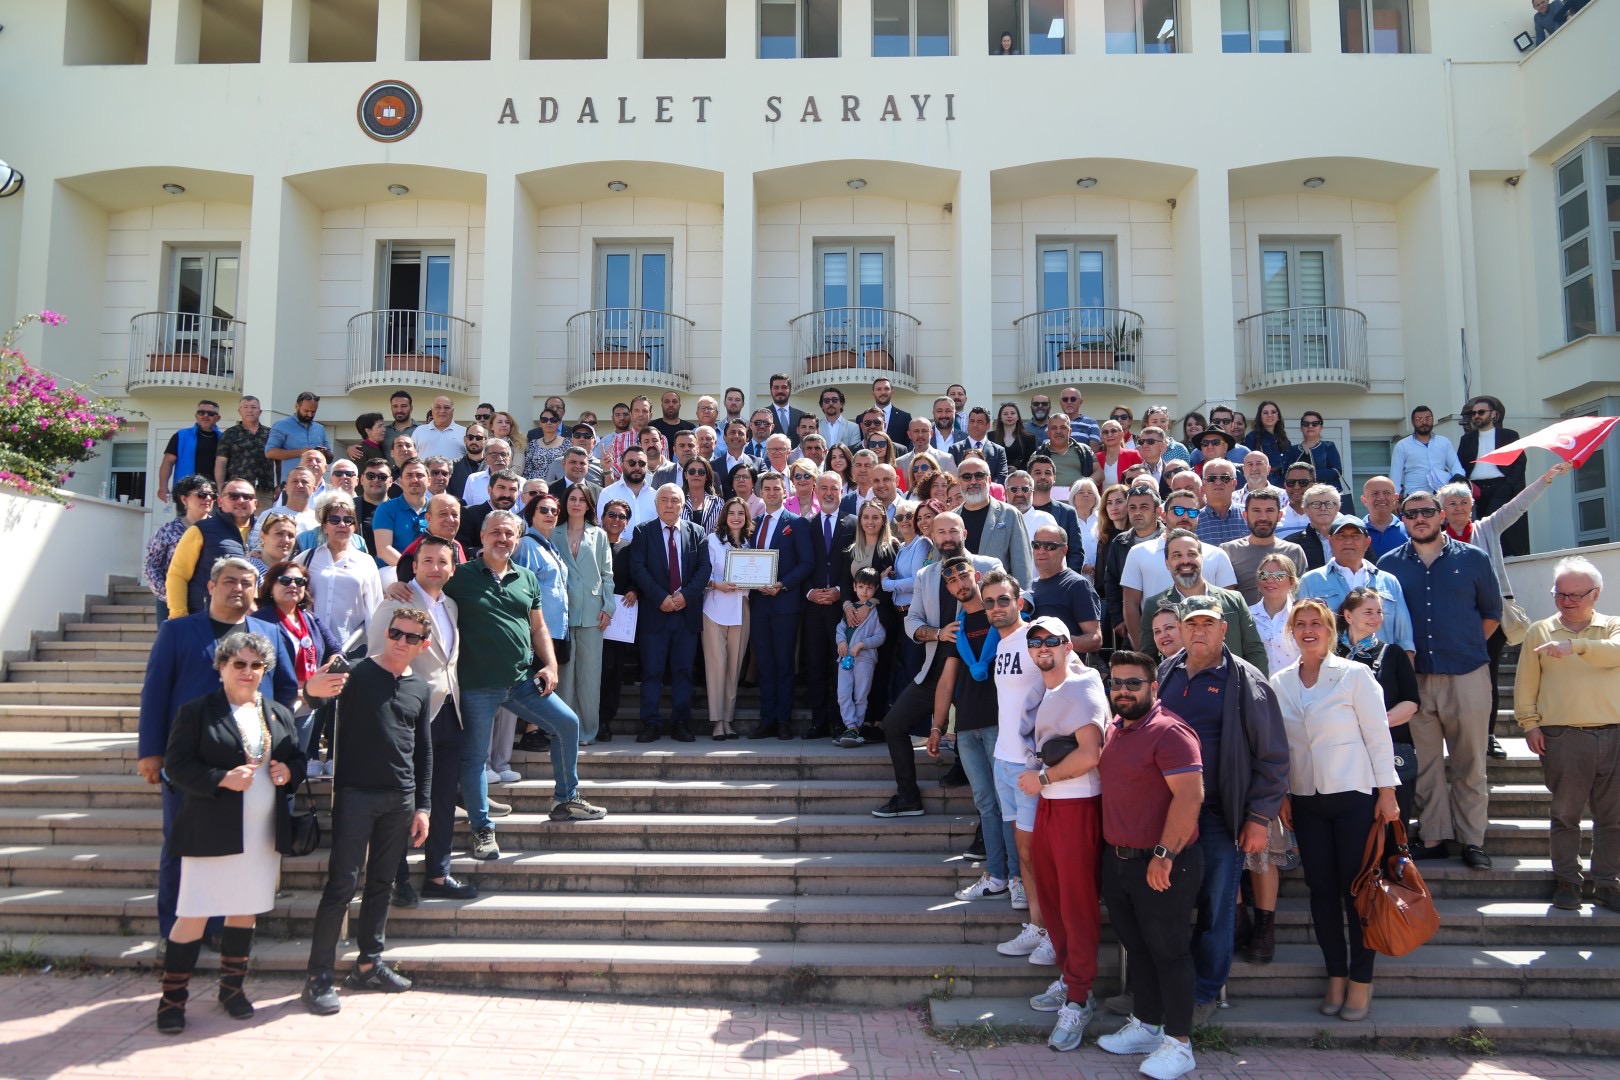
{"points": [[1145, 572], [1066, 849]]}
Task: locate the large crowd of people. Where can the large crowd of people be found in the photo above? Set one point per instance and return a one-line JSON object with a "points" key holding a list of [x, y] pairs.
{"points": [[1165, 656]]}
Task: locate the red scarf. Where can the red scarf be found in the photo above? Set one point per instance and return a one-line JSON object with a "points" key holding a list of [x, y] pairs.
{"points": [[303, 645], [1465, 536]]}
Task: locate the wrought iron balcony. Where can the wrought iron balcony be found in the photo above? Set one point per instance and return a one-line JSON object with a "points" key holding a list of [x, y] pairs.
{"points": [[628, 346], [860, 343], [1300, 346], [182, 351], [402, 347], [1079, 345]]}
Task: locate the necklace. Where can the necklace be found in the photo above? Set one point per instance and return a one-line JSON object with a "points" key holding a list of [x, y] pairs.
{"points": [[264, 735]]}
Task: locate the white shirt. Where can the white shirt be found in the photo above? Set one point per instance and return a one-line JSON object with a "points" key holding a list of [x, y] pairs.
{"points": [[1035, 518], [346, 590], [721, 608], [1354, 578], [1484, 470], [442, 622], [1281, 648], [476, 490], [1019, 689], [432, 442], [305, 517], [643, 507], [767, 532], [942, 440], [1293, 521], [1088, 538], [1146, 572]]}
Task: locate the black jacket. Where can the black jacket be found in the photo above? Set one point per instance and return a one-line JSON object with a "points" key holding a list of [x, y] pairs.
{"points": [[204, 745], [1468, 454]]}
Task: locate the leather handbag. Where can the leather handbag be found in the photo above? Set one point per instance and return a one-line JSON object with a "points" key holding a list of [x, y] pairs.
{"points": [[1394, 905], [306, 827], [1057, 748]]}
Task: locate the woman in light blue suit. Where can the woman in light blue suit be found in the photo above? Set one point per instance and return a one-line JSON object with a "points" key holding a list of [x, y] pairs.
{"points": [[586, 553]]}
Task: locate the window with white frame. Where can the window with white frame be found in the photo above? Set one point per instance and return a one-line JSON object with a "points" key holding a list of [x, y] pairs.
{"points": [[911, 28], [1077, 298], [1375, 26], [1257, 26], [1368, 458], [854, 297], [1297, 290], [1588, 192], [128, 472], [1141, 26], [1038, 27], [1595, 490], [202, 299], [789, 29], [633, 292], [414, 293]]}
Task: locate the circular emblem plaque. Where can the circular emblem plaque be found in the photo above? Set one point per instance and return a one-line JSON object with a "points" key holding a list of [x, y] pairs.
{"points": [[389, 111]]}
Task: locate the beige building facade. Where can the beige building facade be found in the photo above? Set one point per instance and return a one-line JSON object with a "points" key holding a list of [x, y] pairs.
{"points": [[1354, 206]]}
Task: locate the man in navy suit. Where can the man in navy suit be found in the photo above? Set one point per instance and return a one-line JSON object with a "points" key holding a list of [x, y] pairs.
{"points": [[732, 454], [784, 417], [978, 431], [669, 560], [181, 669], [774, 610], [895, 419], [830, 535]]}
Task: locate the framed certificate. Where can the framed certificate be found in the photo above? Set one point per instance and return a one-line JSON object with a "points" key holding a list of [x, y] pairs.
{"points": [[751, 568]]}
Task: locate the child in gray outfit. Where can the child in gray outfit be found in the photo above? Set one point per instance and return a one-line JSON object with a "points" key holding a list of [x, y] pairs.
{"points": [[858, 638]]}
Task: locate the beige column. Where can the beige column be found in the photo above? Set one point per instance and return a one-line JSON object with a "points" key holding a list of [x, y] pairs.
{"points": [[737, 285], [174, 34], [1200, 232], [509, 30], [855, 29], [973, 369], [399, 30], [284, 33], [624, 29], [283, 350], [507, 353]]}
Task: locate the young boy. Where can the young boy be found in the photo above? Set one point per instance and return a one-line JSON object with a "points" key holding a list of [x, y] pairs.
{"points": [[858, 639]]}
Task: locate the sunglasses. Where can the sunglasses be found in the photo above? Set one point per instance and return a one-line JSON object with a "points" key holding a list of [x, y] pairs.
{"points": [[237, 496], [1272, 575], [1132, 684], [1051, 642], [377, 476], [548, 511], [550, 420], [1220, 479], [1473, 412], [483, 417], [440, 472], [1020, 487], [211, 412], [1310, 423], [1184, 511], [902, 517], [291, 581], [1298, 483], [922, 466], [697, 472], [872, 422], [972, 476], [1148, 442], [1047, 545], [1211, 444], [340, 519], [205, 495], [396, 634], [1119, 418], [1420, 512], [245, 665], [344, 475], [476, 438], [1001, 601]]}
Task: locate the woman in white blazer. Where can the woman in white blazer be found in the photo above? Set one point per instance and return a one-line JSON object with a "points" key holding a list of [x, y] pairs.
{"points": [[1341, 778]]}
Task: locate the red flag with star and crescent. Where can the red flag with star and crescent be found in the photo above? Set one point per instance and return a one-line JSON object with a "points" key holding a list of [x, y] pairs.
{"points": [[1574, 440]]}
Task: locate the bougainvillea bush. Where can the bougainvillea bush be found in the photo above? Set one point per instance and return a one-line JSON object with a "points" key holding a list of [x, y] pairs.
{"points": [[47, 425]]}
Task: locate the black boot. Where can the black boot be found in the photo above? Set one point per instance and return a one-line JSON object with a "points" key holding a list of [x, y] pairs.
{"points": [[1263, 942], [236, 943], [1242, 929], [179, 960]]}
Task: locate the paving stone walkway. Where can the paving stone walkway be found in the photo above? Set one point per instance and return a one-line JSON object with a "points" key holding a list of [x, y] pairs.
{"points": [[101, 1025]]}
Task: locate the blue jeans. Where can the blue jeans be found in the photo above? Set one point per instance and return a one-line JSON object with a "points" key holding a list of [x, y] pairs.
{"points": [[1217, 905], [977, 751], [550, 714]]}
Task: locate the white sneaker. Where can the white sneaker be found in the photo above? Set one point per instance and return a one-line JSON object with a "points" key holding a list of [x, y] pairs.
{"points": [[1027, 941], [1020, 901], [1053, 998], [491, 776], [509, 776], [1134, 1038], [1173, 1058], [1044, 953], [313, 769], [983, 889], [1070, 1027]]}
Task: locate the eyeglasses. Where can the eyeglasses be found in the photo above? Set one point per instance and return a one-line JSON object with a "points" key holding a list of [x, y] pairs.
{"points": [[340, 519], [956, 575], [207, 412], [872, 421], [345, 474], [238, 496], [1132, 684], [1272, 575], [1420, 512], [902, 517], [1220, 478], [1310, 423], [1184, 511], [379, 477], [1572, 597], [1321, 504], [1046, 642], [1020, 487], [615, 515], [291, 581], [245, 665], [972, 476], [396, 634], [697, 472], [1210, 444], [1001, 601], [1307, 482], [1047, 545]]}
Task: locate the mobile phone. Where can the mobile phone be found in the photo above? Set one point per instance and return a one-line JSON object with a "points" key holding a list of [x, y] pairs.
{"points": [[340, 665]]}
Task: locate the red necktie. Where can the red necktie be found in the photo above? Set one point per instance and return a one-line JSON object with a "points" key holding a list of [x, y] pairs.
{"points": [[764, 527], [674, 562]]}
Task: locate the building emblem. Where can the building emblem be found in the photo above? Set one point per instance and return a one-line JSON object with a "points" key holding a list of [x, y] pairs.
{"points": [[389, 111]]}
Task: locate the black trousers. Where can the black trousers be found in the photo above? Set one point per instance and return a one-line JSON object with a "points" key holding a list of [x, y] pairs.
{"points": [[914, 705], [446, 784], [1332, 833], [381, 822], [1153, 928], [614, 655], [1494, 645], [1493, 495], [818, 657]]}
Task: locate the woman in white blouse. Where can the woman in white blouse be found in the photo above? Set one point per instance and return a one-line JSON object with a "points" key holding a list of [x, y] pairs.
{"points": [[1277, 578], [343, 580], [725, 618], [1341, 779]]}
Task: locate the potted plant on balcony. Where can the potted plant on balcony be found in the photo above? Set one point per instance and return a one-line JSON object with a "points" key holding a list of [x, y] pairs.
{"points": [[191, 363]]}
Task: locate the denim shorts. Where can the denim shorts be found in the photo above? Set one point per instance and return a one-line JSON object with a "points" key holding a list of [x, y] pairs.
{"points": [[1015, 805]]}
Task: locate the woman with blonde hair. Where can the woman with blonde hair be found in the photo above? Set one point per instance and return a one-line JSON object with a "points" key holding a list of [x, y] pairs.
{"points": [[503, 425]]}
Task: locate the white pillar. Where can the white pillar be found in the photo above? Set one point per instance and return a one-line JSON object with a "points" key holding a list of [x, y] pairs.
{"points": [[284, 32], [283, 354], [1206, 356], [855, 30], [737, 283], [399, 30], [509, 29], [972, 27], [507, 356], [624, 29], [971, 215], [174, 34]]}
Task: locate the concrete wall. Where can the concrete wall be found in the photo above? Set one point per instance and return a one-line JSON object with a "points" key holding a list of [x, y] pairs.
{"points": [[1532, 577]]}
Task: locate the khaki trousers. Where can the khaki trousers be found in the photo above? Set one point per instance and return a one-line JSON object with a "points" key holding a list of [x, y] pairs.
{"points": [[1449, 738], [1582, 766], [723, 648]]}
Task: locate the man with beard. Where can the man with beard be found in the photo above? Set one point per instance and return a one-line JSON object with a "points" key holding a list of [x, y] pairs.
{"points": [[835, 427], [1184, 556], [760, 429], [919, 435], [784, 417], [1497, 484], [1040, 407], [222, 534], [1043, 474], [621, 426], [932, 622], [670, 423], [944, 434], [496, 458], [1062, 593], [1146, 573], [292, 435], [400, 405], [992, 527], [1455, 604], [622, 441], [735, 401], [1424, 461], [1260, 512], [477, 441], [1142, 511], [977, 438], [375, 476], [633, 489], [959, 401], [503, 495]]}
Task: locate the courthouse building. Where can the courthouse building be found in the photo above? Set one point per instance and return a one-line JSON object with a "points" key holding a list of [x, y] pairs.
{"points": [[1355, 206]]}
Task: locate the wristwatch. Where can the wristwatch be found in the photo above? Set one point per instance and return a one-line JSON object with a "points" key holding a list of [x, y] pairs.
{"points": [[1162, 852], [1045, 780]]}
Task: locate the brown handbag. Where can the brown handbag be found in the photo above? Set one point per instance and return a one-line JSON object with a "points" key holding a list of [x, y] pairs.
{"points": [[1396, 910]]}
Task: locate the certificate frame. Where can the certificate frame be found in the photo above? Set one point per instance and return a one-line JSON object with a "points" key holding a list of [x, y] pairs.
{"points": [[751, 568]]}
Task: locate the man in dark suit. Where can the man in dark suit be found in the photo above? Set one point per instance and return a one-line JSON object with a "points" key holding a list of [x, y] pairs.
{"points": [[669, 560], [895, 419], [731, 455], [995, 455], [830, 534], [784, 417], [181, 669], [1496, 484], [774, 611]]}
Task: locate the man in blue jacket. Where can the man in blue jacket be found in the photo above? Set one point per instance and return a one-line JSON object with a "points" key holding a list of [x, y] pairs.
{"points": [[774, 610], [669, 561], [181, 669]]}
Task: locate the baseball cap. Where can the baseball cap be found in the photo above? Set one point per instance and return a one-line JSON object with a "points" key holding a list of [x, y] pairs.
{"points": [[1346, 521], [583, 429], [1200, 606], [1050, 624]]}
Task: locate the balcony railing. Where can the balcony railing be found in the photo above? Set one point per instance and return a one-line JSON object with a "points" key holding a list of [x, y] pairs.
{"points": [[835, 344], [1060, 346], [628, 346], [1303, 345], [179, 350], [402, 347]]}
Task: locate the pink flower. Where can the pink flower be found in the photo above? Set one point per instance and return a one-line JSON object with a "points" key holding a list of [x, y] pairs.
{"points": [[52, 318]]}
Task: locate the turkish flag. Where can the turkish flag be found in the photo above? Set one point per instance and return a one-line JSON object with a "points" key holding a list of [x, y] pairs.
{"points": [[1574, 440]]}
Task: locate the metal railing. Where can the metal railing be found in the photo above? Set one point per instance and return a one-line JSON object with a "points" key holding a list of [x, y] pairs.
{"points": [[401, 346], [183, 350], [873, 341], [628, 346], [1079, 344], [1303, 345]]}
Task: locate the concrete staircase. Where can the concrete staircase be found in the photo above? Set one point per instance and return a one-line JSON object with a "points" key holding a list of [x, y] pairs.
{"points": [[738, 869]]}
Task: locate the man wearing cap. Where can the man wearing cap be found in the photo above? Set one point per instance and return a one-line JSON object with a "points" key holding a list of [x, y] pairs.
{"points": [[1227, 701], [292, 435], [1349, 569]]}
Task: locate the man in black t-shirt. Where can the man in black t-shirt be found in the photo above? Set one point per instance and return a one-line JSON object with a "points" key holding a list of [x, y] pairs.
{"points": [[1062, 593]]}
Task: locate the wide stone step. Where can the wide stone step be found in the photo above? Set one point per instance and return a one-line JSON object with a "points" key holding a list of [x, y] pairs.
{"points": [[130, 612], [70, 693], [98, 719], [78, 671], [71, 652], [132, 632]]}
